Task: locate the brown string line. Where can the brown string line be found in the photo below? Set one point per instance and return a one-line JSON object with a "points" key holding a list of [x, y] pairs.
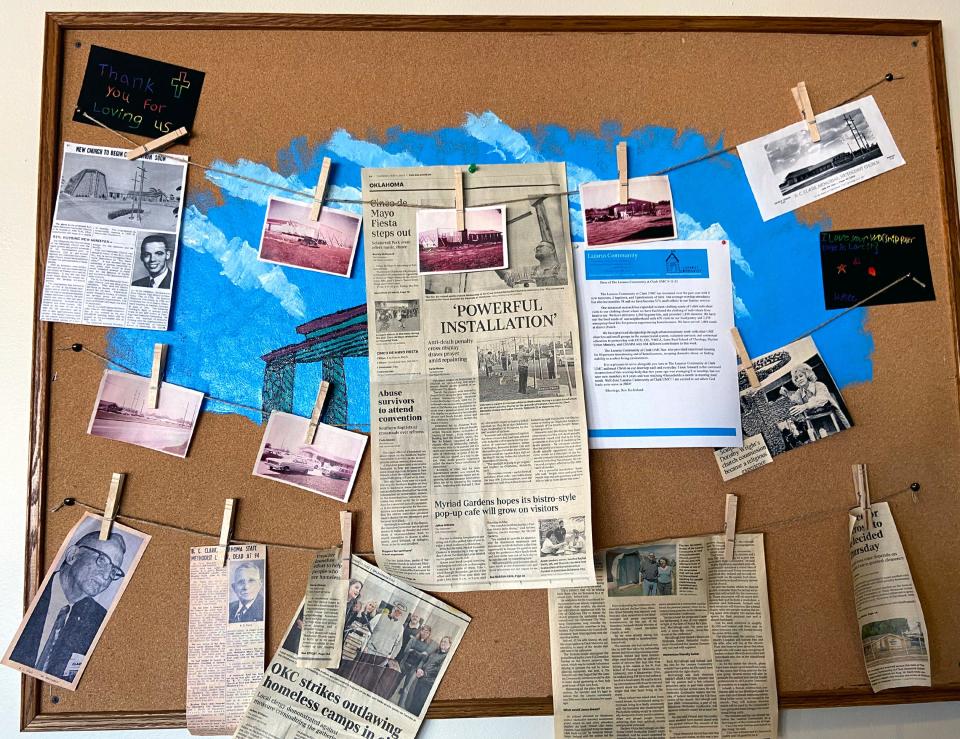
{"points": [[107, 360], [888, 77], [196, 532], [772, 525]]}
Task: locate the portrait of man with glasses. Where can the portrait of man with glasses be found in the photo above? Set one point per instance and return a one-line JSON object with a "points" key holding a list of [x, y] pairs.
{"points": [[79, 592]]}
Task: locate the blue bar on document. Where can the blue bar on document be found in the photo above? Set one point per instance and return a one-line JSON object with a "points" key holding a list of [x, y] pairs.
{"points": [[646, 264], [613, 433]]}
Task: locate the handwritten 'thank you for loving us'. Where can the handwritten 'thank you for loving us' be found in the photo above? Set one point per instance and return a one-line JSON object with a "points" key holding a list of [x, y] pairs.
{"points": [[134, 94]]}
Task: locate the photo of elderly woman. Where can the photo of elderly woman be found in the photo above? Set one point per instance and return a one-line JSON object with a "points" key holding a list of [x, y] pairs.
{"points": [[646, 570], [797, 403]]}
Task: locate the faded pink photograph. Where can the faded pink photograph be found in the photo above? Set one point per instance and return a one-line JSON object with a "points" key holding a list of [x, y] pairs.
{"points": [[328, 466], [326, 245], [122, 413]]}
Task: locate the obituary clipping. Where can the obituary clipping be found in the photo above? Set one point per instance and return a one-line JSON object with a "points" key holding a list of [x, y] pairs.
{"points": [[225, 650], [673, 641], [477, 404], [396, 648], [112, 253], [893, 632]]}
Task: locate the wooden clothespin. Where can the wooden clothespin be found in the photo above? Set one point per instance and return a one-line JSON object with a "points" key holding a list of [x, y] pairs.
{"points": [[317, 412], [862, 487], [743, 359], [806, 109], [156, 374], [113, 504], [321, 190], [622, 173], [226, 530], [158, 143], [458, 197], [346, 534], [730, 536]]}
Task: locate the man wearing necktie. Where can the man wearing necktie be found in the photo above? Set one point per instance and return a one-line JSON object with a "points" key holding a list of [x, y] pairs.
{"points": [[247, 585], [156, 255], [67, 617]]}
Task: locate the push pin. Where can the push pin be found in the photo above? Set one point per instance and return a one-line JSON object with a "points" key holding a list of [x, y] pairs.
{"points": [[472, 168], [78, 347], [888, 76]]}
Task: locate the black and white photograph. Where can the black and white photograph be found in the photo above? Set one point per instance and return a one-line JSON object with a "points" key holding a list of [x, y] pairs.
{"points": [[114, 191], [397, 316], [121, 413], [153, 261], [74, 602], [526, 367], [561, 537], [327, 467], [787, 169], [645, 570], [797, 403], [536, 235], [247, 590], [480, 245], [648, 214], [290, 238], [892, 640], [394, 644]]}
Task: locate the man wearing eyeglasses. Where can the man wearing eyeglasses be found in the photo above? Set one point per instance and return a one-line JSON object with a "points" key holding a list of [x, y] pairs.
{"points": [[67, 618]]}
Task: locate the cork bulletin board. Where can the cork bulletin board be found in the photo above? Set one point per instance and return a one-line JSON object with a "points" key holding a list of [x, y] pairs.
{"points": [[728, 79]]}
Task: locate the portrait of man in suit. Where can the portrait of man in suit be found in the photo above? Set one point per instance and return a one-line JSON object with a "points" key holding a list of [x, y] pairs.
{"points": [[246, 582], [156, 254], [66, 617]]}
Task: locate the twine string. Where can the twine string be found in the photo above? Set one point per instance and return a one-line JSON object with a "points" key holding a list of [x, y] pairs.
{"points": [[309, 195]]}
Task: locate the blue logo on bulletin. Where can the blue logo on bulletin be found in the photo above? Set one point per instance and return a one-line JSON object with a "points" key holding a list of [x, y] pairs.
{"points": [[645, 264]]}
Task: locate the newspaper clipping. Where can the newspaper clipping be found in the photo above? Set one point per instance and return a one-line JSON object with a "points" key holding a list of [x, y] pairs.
{"points": [[225, 652], [476, 385], [893, 632], [396, 649], [112, 252], [673, 642], [325, 610]]}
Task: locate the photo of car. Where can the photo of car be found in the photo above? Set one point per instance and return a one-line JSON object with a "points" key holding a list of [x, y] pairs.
{"points": [[293, 464]]}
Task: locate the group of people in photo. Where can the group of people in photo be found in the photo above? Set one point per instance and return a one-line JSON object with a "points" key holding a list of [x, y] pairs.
{"points": [[401, 643], [558, 541]]}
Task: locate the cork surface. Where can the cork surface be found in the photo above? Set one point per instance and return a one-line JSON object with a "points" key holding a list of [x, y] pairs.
{"points": [[730, 85]]}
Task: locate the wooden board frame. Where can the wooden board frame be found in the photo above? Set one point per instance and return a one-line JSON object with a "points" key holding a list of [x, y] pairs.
{"points": [[57, 24]]}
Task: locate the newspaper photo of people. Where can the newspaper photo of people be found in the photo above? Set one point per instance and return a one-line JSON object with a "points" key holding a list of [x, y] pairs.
{"points": [[646, 570], [797, 403], [397, 643], [526, 367], [557, 540], [397, 316]]}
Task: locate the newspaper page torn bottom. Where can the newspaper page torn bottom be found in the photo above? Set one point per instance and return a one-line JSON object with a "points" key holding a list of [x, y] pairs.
{"points": [[387, 675], [673, 642], [893, 632]]}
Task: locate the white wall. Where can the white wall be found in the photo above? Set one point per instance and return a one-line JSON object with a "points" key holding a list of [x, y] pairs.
{"points": [[20, 62]]}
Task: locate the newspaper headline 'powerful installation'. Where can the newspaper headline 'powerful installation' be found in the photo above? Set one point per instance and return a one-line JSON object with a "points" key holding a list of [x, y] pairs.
{"points": [[476, 385]]}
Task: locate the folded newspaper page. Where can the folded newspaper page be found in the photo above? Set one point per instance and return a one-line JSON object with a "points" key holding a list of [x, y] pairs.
{"points": [[325, 609], [225, 650], [395, 652], [892, 628], [112, 254], [475, 381], [673, 642]]}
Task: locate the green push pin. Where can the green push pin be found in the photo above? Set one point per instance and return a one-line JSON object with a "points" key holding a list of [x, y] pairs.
{"points": [[472, 168]]}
